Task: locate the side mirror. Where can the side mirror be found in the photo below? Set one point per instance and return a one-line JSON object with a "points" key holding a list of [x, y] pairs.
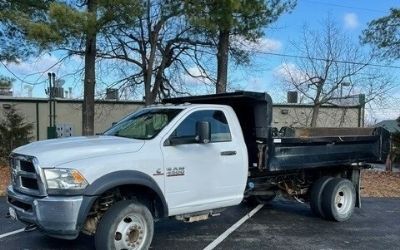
{"points": [[203, 132], [113, 124]]}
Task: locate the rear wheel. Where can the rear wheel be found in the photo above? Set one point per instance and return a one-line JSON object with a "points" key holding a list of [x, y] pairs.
{"points": [[316, 195], [126, 225], [338, 199]]}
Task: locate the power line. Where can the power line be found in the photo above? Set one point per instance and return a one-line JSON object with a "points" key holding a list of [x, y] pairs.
{"points": [[332, 60], [20, 79], [41, 73], [346, 6]]}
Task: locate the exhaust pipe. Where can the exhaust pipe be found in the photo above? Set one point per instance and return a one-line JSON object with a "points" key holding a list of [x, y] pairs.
{"points": [[30, 228]]}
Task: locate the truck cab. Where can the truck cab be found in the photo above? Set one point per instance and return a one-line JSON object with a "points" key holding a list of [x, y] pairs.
{"points": [[158, 154], [189, 180]]}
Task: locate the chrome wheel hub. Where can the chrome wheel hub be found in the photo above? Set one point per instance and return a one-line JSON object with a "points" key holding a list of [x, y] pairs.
{"points": [[343, 200], [131, 233]]}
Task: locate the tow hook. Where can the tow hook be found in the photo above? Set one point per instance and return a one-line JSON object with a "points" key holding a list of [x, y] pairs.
{"points": [[30, 228]]}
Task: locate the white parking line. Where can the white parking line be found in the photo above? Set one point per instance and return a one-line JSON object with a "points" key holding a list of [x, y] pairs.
{"points": [[11, 233], [230, 230]]}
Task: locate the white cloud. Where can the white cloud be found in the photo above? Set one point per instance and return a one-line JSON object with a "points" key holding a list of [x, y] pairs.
{"points": [[195, 77], [37, 65], [76, 59], [267, 45], [255, 84], [289, 72], [350, 21], [263, 44]]}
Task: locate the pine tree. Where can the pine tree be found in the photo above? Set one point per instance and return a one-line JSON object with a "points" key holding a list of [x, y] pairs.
{"points": [[384, 35], [222, 20], [14, 132], [78, 27]]}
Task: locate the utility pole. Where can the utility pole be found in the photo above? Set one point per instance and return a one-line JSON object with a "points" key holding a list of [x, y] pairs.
{"points": [[346, 84], [51, 129], [53, 98], [50, 98]]}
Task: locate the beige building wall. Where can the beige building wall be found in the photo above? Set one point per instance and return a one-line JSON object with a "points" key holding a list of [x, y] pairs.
{"points": [[295, 115], [105, 114], [69, 112]]}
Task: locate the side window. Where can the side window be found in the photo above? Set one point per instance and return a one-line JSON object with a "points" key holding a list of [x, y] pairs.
{"points": [[219, 125]]}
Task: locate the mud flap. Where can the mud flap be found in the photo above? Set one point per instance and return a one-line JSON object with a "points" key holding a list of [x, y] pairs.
{"points": [[356, 179]]}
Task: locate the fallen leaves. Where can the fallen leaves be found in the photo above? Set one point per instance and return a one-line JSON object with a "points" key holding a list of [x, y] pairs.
{"points": [[380, 184], [4, 179]]}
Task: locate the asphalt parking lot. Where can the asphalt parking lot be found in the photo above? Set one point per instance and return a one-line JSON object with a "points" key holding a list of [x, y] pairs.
{"points": [[281, 225]]}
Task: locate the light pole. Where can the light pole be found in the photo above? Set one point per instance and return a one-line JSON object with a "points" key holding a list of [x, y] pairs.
{"points": [[342, 118], [346, 84]]}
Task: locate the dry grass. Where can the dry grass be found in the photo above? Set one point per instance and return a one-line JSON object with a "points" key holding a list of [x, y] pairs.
{"points": [[374, 183]]}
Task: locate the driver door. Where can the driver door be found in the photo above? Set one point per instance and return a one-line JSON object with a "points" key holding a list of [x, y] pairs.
{"points": [[197, 174]]}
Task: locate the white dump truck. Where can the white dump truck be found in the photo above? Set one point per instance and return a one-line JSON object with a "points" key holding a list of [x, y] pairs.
{"points": [[188, 159]]}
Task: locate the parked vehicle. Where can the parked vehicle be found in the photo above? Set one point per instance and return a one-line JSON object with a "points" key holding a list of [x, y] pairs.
{"points": [[188, 159]]}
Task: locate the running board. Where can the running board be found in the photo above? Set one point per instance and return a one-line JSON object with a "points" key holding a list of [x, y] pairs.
{"points": [[189, 218]]}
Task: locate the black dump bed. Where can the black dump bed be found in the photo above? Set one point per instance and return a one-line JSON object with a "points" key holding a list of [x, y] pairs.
{"points": [[296, 148], [318, 147]]}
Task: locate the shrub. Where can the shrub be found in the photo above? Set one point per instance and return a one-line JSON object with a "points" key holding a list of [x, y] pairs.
{"points": [[14, 132], [396, 145]]}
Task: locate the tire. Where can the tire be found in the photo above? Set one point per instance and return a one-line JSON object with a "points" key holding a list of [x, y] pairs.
{"points": [[126, 225], [316, 195], [339, 199]]}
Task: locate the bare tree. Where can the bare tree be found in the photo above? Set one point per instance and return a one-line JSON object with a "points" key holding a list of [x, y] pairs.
{"points": [[160, 41], [330, 68]]}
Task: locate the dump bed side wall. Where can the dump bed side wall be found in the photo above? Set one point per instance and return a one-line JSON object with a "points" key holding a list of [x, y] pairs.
{"points": [[311, 152], [309, 148]]}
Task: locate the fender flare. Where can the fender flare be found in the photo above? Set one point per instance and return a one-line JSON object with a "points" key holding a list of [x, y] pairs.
{"points": [[115, 179]]}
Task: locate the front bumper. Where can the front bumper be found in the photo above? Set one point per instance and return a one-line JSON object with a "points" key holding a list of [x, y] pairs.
{"points": [[56, 216]]}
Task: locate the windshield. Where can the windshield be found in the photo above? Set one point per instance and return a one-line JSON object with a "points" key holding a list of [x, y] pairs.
{"points": [[145, 124]]}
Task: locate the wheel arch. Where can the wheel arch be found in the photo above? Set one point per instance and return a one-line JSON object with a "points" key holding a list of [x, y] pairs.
{"points": [[126, 179]]}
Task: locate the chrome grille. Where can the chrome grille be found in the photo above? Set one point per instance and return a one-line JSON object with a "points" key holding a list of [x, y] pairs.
{"points": [[26, 175]]}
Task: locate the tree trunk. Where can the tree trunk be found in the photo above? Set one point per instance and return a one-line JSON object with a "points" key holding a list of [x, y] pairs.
{"points": [[149, 71], [147, 88], [222, 61], [90, 75], [315, 113], [158, 79], [157, 84]]}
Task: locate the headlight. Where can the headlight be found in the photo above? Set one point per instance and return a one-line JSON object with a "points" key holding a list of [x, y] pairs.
{"points": [[64, 179]]}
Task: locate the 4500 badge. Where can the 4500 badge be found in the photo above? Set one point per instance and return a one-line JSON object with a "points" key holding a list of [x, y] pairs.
{"points": [[175, 171]]}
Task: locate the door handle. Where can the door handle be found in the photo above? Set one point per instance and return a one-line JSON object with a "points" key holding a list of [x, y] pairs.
{"points": [[225, 153]]}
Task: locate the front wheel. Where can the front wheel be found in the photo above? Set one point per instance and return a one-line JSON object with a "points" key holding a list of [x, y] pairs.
{"points": [[338, 199], [126, 225]]}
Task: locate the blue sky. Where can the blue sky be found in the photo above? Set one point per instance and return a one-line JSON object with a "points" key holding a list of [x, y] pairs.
{"points": [[351, 16]]}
